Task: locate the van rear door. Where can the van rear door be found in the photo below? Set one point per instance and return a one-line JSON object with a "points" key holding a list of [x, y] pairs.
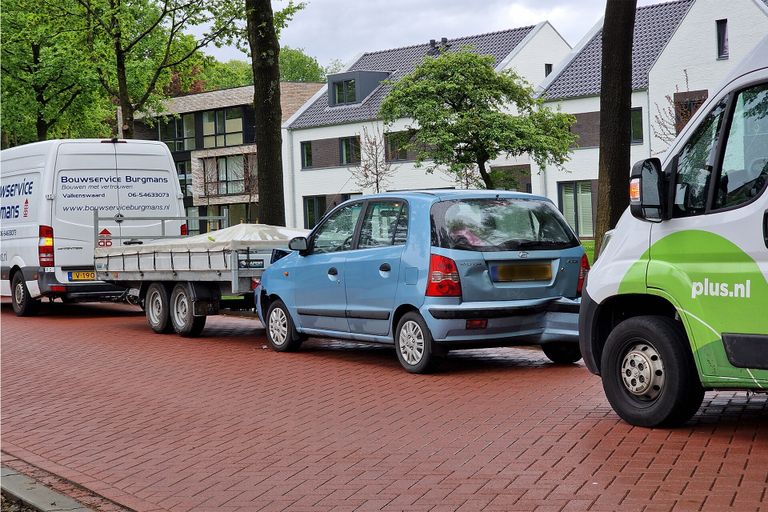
{"points": [[149, 188], [85, 180]]}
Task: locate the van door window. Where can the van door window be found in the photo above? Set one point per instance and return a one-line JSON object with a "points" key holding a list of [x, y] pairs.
{"points": [[745, 163], [695, 164]]}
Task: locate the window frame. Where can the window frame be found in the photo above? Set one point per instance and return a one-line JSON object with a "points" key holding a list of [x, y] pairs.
{"points": [[214, 188], [179, 135], [393, 153], [343, 150], [721, 31], [632, 138], [306, 156], [560, 196], [343, 86], [220, 127], [404, 207]]}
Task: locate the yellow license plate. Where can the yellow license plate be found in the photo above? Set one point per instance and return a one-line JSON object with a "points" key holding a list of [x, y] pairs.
{"points": [[82, 276], [523, 271]]}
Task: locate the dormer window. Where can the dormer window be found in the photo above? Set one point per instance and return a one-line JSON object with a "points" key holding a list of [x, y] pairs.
{"points": [[345, 92], [353, 87]]}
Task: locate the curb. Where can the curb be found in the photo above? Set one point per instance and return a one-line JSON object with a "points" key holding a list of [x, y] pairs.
{"points": [[36, 495]]}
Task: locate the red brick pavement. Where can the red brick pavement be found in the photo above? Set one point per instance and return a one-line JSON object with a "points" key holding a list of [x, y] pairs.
{"points": [[159, 422]]}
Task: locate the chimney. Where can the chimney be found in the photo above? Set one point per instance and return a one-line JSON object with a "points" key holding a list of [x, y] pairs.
{"points": [[433, 48]]}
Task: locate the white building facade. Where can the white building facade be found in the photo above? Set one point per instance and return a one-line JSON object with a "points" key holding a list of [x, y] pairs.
{"points": [[324, 140], [682, 50]]}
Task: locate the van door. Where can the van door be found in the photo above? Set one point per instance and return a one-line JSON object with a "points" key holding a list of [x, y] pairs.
{"points": [[712, 256], [85, 180], [149, 189]]}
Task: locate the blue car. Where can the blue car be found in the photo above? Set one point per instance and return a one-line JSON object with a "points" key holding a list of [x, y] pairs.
{"points": [[430, 272]]}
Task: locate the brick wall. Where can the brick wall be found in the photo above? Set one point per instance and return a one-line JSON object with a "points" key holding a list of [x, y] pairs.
{"points": [[294, 94], [325, 153], [587, 127]]}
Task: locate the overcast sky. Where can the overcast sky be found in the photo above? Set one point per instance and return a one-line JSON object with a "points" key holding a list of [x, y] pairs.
{"points": [[342, 29]]}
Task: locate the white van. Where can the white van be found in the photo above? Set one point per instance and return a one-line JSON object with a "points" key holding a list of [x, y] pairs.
{"points": [[677, 302], [49, 192]]}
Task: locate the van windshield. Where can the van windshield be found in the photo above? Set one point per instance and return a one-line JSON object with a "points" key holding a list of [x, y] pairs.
{"points": [[499, 224]]}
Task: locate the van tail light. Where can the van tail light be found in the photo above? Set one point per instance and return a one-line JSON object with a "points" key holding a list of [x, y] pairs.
{"points": [[45, 246], [443, 277], [183, 230], [584, 268]]}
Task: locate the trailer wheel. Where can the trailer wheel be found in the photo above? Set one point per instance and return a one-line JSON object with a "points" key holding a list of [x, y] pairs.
{"points": [[22, 302], [157, 309], [648, 372], [184, 322]]}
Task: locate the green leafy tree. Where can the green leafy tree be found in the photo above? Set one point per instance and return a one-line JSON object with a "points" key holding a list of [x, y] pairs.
{"points": [[459, 105], [49, 87], [224, 75], [297, 66]]}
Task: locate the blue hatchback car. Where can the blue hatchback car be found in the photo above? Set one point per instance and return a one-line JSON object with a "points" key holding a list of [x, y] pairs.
{"points": [[431, 272]]}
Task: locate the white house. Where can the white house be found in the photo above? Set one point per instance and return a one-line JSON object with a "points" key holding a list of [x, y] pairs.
{"points": [[681, 50], [322, 140]]}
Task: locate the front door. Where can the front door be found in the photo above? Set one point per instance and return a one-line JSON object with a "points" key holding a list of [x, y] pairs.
{"points": [[373, 269], [320, 276], [712, 255]]}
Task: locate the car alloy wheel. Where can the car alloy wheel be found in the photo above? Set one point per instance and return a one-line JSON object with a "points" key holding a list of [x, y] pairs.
{"points": [[411, 341], [278, 326]]}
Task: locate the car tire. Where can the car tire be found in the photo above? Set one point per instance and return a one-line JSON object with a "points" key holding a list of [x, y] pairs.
{"points": [[413, 344], [22, 302], [649, 375], [157, 308], [281, 332], [181, 311], [562, 352]]}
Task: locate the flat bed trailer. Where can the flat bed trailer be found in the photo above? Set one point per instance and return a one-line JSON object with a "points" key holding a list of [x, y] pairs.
{"points": [[182, 281]]}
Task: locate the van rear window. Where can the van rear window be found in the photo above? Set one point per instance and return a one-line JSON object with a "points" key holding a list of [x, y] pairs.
{"points": [[499, 224]]}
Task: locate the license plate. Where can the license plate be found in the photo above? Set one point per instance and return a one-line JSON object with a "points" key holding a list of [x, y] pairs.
{"points": [[82, 276], [527, 271]]}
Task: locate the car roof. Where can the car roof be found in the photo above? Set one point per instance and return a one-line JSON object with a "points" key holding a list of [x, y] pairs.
{"points": [[436, 195]]}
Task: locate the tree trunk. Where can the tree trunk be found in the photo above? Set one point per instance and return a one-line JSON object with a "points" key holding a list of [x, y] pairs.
{"points": [[40, 124], [265, 50], [615, 103], [122, 91], [484, 174]]}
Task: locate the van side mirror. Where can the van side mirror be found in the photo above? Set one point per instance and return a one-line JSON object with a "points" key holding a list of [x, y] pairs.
{"points": [[647, 192], [300, 244]]}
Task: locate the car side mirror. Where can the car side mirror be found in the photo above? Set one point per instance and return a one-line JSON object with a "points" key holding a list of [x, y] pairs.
{"points": [[300, 244], [647, 192]]}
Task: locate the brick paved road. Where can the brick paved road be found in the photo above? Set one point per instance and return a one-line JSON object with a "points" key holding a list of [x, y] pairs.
{"points": [[220, 423]]}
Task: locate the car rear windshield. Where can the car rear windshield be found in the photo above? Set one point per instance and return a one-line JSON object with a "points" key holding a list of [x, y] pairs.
{"points": [[499, 224]]}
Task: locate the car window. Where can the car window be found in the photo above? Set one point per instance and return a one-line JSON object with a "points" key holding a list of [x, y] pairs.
{"points": [[385, 223], [500, 224], [338, 230], [695, 164], [745, 164]]}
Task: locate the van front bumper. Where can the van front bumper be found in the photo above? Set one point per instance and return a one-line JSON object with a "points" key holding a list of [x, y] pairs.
{"points": [[533, 322]]}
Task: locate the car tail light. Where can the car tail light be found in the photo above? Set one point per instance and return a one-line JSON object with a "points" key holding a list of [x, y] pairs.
{"points": [[443, 277], [584, 268], [45, 246], [183, 230], [255, 283]]}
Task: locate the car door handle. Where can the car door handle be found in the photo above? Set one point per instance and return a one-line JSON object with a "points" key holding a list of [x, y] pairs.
{"points": [[385, 267], [333, 272]]}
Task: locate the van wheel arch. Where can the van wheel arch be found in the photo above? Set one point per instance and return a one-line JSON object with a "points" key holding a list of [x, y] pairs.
{"points": [[616, 309]]}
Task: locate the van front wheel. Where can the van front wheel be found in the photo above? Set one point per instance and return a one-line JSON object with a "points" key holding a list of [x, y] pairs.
{"points": [[22, 302], [648, 372]]}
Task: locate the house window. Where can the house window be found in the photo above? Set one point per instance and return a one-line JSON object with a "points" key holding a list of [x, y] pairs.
{"points": [[396, 150], [184, 170], [722, 39], [225, 175], [576, 205], [223, 128], [349, 150], [636, 126], [345, 92], [306, 154], [179, 133], [547, 69], [314, 209]]}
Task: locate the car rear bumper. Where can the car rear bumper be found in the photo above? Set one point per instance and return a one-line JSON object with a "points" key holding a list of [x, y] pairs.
{"points": [[518, 323]]}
